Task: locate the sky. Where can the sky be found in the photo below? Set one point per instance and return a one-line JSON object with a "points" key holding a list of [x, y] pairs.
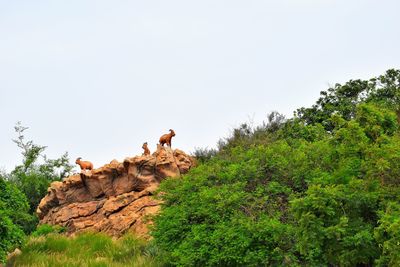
{"points": [[98, 78]]}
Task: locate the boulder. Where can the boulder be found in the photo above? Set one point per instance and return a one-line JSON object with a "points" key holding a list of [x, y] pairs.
{"points": [[115, 198]]}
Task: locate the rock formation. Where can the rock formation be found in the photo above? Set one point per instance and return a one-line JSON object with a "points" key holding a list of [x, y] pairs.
{"points": [[114, 198]]}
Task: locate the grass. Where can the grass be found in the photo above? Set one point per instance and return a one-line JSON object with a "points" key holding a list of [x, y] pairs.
{"points": [[87, 249]]}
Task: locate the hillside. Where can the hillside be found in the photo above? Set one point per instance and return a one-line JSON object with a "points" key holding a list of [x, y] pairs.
{"points": [[319, 189]]}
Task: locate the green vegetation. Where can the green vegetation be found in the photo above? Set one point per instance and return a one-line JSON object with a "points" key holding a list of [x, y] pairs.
{"points": [[14, 217], [23, 188], [45, 229], [320, 189], [86, 249], [33, 177]]}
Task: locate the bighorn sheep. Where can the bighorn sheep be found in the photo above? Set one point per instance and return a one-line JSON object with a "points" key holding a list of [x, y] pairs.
{"points": [[146, 149], [166, 138], [85, 165]]}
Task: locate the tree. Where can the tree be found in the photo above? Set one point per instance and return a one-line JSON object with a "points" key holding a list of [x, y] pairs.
{"points": [[23, 188], [343, 99], [32, 177]]}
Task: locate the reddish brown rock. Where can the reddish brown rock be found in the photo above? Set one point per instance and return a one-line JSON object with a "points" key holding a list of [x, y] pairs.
{"points": [[115, 198], [183, 162]]}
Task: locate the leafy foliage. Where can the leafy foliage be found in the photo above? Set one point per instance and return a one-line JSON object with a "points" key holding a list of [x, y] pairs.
{"points": [[388, 235], [11, 235], [14, 217], [343, 99], [15, 205], [204, 154], [32, 177], [335, 224], [45, 229], [320, 189], [23, 188]]}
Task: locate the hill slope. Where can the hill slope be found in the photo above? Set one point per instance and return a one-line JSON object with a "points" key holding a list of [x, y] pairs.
{"points": [[320, 189]]}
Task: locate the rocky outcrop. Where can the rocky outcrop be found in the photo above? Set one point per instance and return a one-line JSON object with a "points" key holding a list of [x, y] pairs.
{"points": [[115, 198]]}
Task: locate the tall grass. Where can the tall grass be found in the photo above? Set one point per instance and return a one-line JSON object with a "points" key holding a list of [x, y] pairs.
{"points": [[87, 249]]}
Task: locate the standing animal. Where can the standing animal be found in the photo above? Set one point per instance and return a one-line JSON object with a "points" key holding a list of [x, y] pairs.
{"points": [[85, 165], [146, 149], [166, 138]]}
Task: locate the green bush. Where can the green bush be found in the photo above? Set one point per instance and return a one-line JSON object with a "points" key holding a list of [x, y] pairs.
{"points": [[321, 189], [11, 236], [15, 206], [223, 214], [387, 235], [14, 218], [335, 223], [33, 178], [45, 229]]}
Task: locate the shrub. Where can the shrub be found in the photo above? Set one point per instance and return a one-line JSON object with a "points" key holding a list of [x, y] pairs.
{"points": [[11, 236], [387, 235], [45, 229], [14, 217], [321, 189]]}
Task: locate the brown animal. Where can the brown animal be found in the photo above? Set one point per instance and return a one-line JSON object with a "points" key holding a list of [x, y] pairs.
{"points": [[166, 138], [146, 149], [85, 165]]}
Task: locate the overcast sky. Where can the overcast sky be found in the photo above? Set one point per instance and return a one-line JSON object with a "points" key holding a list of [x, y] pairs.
{"points": [[99, 78]]}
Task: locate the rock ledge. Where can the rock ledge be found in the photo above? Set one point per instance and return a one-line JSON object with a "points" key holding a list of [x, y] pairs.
{"points": [[115, 198]]}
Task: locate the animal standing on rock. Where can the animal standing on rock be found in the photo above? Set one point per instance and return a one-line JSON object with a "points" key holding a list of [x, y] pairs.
{"points": [[146, 149], [166, 138], [85, 165]]}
